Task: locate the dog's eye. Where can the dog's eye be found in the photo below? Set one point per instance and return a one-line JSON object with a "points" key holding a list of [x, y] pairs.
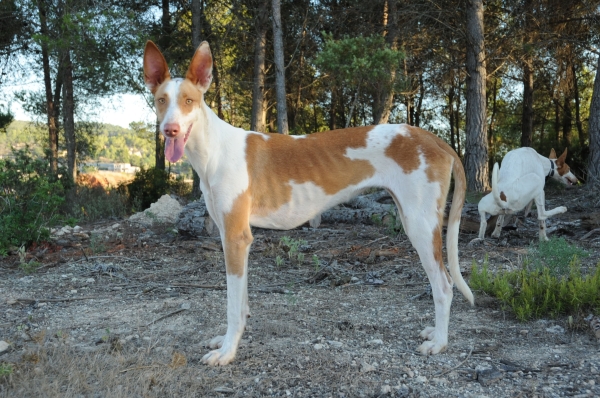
{"points": [[188, 101], [161, 100]]}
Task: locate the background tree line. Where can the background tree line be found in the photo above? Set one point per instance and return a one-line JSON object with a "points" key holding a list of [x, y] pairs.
{"points": [[486, 76]]}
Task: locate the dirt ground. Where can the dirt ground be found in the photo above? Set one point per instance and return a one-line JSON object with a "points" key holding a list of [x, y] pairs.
{"points": [[128, 311]]}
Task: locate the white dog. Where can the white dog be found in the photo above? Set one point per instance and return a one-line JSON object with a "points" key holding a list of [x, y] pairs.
{"points": [[521, 181]]}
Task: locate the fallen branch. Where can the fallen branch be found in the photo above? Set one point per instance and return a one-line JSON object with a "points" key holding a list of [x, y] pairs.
{"points": [[592, 232], [58, 300], [457, 366], [166, 316]]}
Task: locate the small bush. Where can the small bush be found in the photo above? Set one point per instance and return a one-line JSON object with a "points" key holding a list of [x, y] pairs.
{"points": [[149, 185], [536, 293], [29, 200], [95, 203], [554, 255]]}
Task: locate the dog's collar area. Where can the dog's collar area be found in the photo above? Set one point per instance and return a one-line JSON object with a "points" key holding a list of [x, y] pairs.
{"points": [[551, 173]]}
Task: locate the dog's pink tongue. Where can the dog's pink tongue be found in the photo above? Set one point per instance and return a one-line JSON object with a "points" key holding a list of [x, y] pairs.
{"points": [[174, 149]]}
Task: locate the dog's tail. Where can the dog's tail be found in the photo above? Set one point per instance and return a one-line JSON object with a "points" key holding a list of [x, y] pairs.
{"points": [[499, 197], [458, 200]]}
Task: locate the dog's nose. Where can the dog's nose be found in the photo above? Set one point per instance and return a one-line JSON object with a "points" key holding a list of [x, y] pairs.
{"points": [[171, 129]]}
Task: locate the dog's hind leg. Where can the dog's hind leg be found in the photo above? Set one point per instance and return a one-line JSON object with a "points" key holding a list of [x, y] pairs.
{"points": [[499, 224], [543, 214]]}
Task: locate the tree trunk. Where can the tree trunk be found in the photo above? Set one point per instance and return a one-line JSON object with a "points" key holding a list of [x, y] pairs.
{"points": [[491, 144], [594, 132], [384, 98], [282, 120], [476, 151], [197, 18], [164, 43], [68, 116], [159, 148], [527, 117], [578, 122], [259, 114], [451, 114], [51, 114]]}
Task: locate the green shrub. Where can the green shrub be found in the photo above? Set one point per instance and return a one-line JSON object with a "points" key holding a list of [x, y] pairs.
{"points": [[149, 185], [29, 200], [536, 293], [94, 203], [554, 255]]}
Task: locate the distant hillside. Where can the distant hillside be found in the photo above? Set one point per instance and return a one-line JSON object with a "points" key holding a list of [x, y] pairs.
{"points": [[97, 142]]}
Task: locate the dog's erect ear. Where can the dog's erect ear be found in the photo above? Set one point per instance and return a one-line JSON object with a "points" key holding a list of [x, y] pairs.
{"points": [[156, 70], [200, 70], [561, 159], [552, 154]]}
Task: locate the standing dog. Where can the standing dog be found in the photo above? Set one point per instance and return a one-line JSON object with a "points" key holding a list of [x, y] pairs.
{"points": [[279, 181], [520, 182]]}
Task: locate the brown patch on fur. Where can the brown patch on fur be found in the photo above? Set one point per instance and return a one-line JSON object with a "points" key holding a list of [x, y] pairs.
{"points": [[502, 196], [318, 158], [188, 91], [437, 251], [406, 150], [237, 235], [161, 107]]}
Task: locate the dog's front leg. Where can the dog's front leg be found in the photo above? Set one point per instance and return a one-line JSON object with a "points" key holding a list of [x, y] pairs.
{"points": [[236, 245]]}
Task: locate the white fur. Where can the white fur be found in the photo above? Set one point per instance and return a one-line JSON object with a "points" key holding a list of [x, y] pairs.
{"points": [[521, 179]]}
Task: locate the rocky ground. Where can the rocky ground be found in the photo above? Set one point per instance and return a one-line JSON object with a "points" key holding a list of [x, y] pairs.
{"points": [[120, 309]]}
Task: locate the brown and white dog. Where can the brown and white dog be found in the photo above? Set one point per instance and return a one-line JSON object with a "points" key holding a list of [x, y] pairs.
{"points": [[279, 181]]}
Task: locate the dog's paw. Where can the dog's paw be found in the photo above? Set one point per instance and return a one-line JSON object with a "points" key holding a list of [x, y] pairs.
{"points": [[475, 242], [216, 342], [219, 357], [431, 347], [427, 333]]}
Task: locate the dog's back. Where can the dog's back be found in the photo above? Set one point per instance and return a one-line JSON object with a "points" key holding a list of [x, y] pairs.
{"points": [[520, 178]]}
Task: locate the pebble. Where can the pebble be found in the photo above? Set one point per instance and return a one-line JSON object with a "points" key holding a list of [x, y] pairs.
{"points": [[3, 346], [375, 342], [318, 346], [367, 367], [386, 389], [556, 329], [335, 344], [90, 280], [421, 379]]}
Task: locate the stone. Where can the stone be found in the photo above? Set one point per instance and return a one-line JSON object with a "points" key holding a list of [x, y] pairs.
{"points": [[318, 346], [193, 220], [366, 367], [166, 210], [4, 346]]}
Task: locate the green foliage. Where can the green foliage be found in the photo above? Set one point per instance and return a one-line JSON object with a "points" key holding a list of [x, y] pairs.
{"points": [[5, 369], [29, 200], [291, 247], [538, 293], [554, 255], [149, 185], [91, 204], [358, 60]]}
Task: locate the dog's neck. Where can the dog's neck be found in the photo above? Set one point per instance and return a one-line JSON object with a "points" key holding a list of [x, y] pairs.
{"points": [[552, 168]]}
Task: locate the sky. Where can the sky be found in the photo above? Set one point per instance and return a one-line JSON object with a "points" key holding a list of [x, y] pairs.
{"points": [[119, 109]]}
